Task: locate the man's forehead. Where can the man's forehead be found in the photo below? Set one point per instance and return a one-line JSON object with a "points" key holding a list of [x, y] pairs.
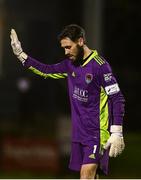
{"points": [[66, 41]]}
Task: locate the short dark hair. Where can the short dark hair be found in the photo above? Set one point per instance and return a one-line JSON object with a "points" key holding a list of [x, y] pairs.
{"points": [[72, 31]]}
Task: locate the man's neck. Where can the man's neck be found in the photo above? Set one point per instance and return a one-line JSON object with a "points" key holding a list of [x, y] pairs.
{"points": [[87, 52]]}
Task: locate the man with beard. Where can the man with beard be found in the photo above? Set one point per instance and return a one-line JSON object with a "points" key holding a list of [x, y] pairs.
{"points": [[97, 104]]}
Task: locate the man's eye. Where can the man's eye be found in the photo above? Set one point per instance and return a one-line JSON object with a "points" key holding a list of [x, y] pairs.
{"points": [[67, 47]]}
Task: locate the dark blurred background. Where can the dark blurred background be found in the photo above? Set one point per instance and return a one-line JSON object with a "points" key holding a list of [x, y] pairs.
{"points": [[34, 112]]}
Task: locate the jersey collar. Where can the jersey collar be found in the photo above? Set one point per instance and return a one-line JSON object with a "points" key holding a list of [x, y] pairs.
{"points": [[95, 53]]}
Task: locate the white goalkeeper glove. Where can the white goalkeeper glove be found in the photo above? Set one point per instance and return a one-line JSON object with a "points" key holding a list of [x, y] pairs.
{"points": [[16, 46], [116, 141]]}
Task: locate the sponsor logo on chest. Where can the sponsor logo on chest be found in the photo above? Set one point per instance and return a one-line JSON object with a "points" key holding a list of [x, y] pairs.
{"points": [[80, 94]]}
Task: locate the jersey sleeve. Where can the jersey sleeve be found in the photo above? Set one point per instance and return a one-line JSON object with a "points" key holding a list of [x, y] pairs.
{"points": [[111, 86], [55, 71]]}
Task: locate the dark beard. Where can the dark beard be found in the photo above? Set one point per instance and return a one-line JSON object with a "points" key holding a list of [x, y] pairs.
{"points": [[79, 58]]}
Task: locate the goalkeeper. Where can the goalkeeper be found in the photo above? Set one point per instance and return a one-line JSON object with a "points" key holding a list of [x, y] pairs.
{"points": [[97, 104]]}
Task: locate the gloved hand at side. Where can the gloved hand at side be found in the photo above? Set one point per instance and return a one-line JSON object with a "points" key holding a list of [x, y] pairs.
{"points": [[116, 141], [16, 46]]}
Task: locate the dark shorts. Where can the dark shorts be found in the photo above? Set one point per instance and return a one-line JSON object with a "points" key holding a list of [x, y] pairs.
{"points": [[88, 153]]}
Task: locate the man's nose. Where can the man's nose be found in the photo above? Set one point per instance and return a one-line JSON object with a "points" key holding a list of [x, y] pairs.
{"points": [[66, 52]]}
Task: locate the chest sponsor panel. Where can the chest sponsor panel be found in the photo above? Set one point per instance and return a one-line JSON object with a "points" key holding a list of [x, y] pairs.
{"points": [[80, 94]]}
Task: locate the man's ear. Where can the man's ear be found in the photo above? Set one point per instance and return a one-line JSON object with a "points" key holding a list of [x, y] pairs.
{"points": [[81, 41]]}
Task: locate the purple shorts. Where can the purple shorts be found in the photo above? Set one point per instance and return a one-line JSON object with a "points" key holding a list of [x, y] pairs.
{"points": [[88, 153]]}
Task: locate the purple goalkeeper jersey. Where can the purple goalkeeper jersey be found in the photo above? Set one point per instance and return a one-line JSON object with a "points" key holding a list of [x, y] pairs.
{"points": [[95, 97]]}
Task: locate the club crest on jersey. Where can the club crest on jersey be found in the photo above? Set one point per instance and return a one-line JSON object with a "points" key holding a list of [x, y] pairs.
{"points": [[88, 78]]}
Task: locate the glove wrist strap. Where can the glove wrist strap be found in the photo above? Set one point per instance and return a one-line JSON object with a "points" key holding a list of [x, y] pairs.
{"points": [[116, 129], [117, 134], [22, 57]]}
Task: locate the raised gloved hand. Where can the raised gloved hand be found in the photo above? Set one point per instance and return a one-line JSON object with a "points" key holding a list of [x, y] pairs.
{"points": [[116, 141], [16, 46]]}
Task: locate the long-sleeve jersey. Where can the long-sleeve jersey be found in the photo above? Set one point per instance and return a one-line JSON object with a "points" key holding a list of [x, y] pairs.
{"points": [[95, 97]]}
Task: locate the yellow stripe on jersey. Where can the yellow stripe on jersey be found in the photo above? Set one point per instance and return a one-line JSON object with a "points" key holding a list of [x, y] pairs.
{"points": [[99, 60], [104, 117], [96, 57], [95, 53], [54, 76]]}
